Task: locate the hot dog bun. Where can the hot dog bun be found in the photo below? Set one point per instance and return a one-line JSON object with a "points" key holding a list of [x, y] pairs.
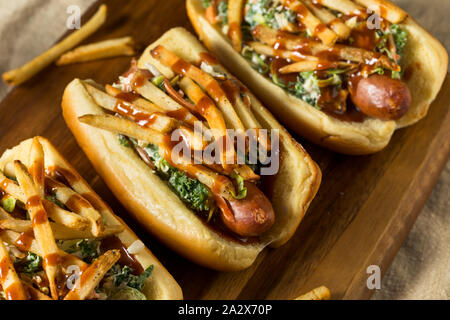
{"points": [[153, 203], [160, 285], [424, 55]]}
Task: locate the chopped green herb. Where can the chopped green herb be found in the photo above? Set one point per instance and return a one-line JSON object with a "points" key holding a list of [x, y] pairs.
{"points": [[400, 37], [191, 191], [223, 12], [87, 250], [123, 141], [158, 81], [206, 3], [256, 60], [31, 264], [241, 189], [8, 203], [124, 277]]}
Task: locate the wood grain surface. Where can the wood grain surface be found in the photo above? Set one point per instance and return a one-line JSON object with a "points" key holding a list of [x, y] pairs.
{"points": [[360, 217]]}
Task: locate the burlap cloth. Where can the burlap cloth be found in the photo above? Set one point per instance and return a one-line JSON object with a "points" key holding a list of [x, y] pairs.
{"points": [[421, 269]]}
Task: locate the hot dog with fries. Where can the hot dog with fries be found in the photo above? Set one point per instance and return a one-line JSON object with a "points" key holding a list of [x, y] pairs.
{"points": [[219, 210], [344, 74], [59, 240]]}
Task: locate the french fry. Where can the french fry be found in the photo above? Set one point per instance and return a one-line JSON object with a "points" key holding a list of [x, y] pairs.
{"points": [[210, 13], [385, 9], [57, 214], [4, 214], [14, 238], [204, 80], [171, 108], [139, 102], [320, 293], [99, 50], [306, 65], [285, 54], [336, 24], [206, 107], [10, 281], [193, 140], [77, 204], [37, 166], [244, 112], [347, 7], [292, 42], [155, 121], [312, 23], [246, 173], [175, 95], [92, 276], [218, 184], [28, 70], [34, 294], [234, 21], [60, 232], [123, 126], [41, 226]]}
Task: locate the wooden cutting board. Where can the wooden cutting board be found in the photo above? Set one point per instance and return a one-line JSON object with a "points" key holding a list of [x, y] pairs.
{"points": [[360, 217]]}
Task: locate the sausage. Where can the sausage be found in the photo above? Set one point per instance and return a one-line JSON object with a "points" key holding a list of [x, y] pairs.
{"points": [[251, 216], [381, 97]]}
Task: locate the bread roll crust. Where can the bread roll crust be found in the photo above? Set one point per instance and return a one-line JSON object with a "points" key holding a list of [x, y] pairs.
{"points": [[424, 56], [154, 204]]}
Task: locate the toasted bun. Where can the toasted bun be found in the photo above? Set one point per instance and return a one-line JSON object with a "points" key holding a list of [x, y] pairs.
{"points": [[424, 55], [161, 285], [154, 204]]}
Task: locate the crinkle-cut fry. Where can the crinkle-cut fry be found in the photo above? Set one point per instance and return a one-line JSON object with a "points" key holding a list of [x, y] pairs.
{"points": [[171, 108], [37, 169], [336, 24], [75, 202], [9, 280], [235, 15], [28, 70], [155, 121], [206, 81], [60, 232], [312, 23], [320, 293], [41, 226], [266, 50], [34, 293], [123, 126], [346, 7], [137, 100], [386, 9], [295, 43], [91, 277], [99, 50], [54, 212]]}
